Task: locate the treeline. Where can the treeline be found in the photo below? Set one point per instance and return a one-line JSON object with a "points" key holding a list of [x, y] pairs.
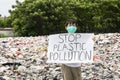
{"points": [[44, 17], [5, 22]]}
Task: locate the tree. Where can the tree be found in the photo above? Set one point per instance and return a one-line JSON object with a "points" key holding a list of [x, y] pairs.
{"points": [[5, 22], [41, 17], [111, 16], [1, 22], [38, 17]]}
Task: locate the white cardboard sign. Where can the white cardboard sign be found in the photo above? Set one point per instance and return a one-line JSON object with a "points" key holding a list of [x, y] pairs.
{"points": [[70, 48]]}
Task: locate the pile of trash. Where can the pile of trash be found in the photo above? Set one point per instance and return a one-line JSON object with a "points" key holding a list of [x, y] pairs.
{"points": [[24, 58]]}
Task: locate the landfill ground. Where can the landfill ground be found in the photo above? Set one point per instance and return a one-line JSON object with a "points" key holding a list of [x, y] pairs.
{"points": [[24, 58]]}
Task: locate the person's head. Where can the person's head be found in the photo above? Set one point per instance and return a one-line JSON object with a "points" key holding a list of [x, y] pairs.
{"points": [[71, 26]]}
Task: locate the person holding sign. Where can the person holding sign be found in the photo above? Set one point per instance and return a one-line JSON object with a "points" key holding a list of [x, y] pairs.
{"points": [[71, 71]]}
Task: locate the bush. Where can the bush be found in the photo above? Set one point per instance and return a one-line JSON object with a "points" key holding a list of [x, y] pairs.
{"points": [[2, 35]]}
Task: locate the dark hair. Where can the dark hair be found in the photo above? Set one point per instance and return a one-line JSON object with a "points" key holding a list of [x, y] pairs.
{"points": [[70, 21]]}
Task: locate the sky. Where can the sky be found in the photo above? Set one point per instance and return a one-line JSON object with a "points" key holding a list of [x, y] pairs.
{"points": [[6, 5]]}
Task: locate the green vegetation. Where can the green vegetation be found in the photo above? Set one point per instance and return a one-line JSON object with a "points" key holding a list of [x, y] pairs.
{"points": [[2, 35], [43, 17], [5, 22]]}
